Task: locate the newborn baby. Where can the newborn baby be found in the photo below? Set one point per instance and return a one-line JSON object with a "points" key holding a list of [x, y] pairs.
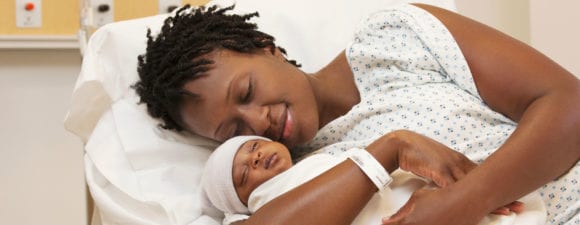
{"points": [[246, 172]]}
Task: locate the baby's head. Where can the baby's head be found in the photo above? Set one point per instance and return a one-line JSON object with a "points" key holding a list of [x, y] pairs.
{"points": [[240, 165]]}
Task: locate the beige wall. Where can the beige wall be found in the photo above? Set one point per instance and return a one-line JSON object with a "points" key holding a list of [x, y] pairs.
{"points": [[555, 31], [511, 16], [41, 170], [547, 26]]}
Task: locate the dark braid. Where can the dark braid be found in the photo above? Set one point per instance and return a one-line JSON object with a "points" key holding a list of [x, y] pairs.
{"points": [[177, 55]]}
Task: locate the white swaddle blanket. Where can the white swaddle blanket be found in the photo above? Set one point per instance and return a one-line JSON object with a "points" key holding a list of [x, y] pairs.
{"points": [[384, 203]]}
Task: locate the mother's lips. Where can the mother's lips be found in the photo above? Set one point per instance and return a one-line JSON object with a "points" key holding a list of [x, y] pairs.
{"points": [[278, 123], [288, 125]]}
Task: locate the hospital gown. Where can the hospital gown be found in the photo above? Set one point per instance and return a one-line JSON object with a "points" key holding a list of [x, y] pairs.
{"points": [[411, 74]]}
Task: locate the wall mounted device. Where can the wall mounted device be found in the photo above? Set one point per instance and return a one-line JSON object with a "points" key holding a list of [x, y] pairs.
{"points": [[167, 6], [28, 13], [102, 12]]}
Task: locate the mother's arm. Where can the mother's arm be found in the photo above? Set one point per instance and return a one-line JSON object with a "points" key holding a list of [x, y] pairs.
{"points": [[529, 88], [338, 195], [334, 197]]}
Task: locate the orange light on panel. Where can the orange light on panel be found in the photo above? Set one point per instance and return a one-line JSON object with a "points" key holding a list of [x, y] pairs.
{"points": [[29, 6]]}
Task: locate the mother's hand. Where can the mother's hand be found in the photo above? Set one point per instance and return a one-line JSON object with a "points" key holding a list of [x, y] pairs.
{"points": [[433, 207], [430, 159], [441, 206]]}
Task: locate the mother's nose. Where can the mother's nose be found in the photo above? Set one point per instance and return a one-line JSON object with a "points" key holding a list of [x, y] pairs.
{"points": [[255, 118]]}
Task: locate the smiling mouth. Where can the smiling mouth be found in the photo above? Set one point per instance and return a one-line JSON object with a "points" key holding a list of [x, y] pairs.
{"points": [[280, 125], [286, 128]]}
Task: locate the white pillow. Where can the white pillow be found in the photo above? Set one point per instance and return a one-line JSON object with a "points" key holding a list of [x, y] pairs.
{"points": [[314, 32], [140, 174]]}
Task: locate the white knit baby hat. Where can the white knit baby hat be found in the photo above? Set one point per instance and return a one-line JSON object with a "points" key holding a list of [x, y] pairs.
{"points": [[217, 180]]}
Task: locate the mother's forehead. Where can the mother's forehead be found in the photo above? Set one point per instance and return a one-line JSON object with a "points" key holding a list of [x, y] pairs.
{"points": [[220, 73], [225, 54], [223, 64], [214, 82]]}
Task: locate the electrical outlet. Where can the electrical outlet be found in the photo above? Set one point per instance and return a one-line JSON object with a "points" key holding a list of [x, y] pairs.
{"points": [[28, 13], [167, 6], [102, 12]]}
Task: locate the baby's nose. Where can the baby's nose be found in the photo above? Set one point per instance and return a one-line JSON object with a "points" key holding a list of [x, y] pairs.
{"points": [[257, 159]]}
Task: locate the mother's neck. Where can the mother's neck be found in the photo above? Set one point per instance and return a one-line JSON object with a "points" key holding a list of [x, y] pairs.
{"points": [[335, 89]]}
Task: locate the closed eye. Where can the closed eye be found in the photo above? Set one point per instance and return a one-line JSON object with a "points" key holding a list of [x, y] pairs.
{"points": [[249, 92], [254, 146]]}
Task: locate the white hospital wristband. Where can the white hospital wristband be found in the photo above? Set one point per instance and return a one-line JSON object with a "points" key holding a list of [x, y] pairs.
{"points": [[371, 167]]}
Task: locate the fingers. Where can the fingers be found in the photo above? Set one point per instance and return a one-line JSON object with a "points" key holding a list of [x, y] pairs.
{"points": [[443, 180], [516, 207], [457, 173], [447, 174], [501, 211], [398, 217], [391, 221]]}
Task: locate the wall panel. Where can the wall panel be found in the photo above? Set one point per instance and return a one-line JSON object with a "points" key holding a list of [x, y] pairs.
{"points": [[59, 17], [62, 17]]}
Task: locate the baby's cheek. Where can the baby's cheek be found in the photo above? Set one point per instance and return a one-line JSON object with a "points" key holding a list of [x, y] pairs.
{"points": [[283, 168]]}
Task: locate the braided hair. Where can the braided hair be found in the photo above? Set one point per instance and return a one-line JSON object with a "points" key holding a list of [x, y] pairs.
{"points": [[179, 54]]}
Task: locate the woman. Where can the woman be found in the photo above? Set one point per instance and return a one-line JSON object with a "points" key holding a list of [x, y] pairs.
{"points": [[436, 73]]}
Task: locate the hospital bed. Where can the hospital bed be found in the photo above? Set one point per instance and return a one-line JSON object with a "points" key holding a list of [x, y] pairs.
{"points": [[138, 173]]}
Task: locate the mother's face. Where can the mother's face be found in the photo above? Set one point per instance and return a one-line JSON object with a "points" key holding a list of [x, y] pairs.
{"points": [[252, 94]]}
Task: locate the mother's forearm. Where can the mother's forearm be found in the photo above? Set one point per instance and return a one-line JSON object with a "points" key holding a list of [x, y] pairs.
{"points": [[334, 197], [544, 146]]}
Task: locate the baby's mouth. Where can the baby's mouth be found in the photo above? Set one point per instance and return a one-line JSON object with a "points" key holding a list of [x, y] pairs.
{"points": [[270, 161]]}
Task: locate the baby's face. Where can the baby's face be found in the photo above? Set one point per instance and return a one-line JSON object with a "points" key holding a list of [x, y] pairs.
{"points": [[256, 162]]}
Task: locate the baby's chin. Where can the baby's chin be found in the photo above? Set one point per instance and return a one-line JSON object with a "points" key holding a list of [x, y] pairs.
{"points": [[288, 163]]}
